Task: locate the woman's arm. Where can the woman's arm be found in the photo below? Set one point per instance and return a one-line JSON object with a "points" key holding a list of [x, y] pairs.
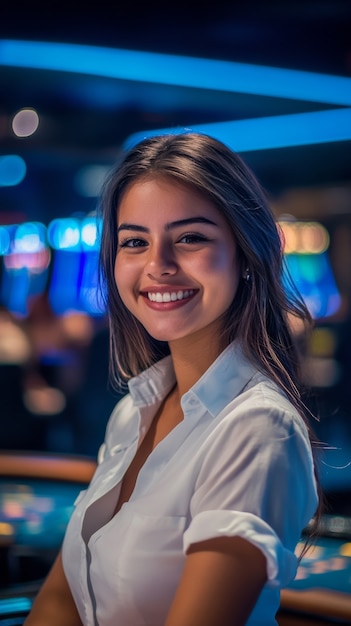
{"points": [[54, 604], [220, 584]]}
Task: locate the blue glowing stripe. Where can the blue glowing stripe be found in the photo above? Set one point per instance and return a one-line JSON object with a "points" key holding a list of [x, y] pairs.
{"points": [[15, 605], [177, 70], [262, 133]]}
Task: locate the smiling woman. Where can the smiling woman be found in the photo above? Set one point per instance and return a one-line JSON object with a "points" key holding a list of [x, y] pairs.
{"points": [[206, 478], [176, 268]]}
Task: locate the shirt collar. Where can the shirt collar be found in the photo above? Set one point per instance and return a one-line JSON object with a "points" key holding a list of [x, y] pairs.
{"points": [[221, 383], [153, 384], [223, 380]]}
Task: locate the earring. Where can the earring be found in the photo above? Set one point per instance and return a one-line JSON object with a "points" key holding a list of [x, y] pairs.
{"points": [[247, 275]]}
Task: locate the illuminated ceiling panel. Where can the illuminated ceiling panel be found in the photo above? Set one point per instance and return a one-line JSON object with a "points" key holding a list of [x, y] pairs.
{"points": [[270, 132], [183, 71]]}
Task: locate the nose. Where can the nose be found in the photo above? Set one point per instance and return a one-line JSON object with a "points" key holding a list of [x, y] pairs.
{"points": [[160, 261]]}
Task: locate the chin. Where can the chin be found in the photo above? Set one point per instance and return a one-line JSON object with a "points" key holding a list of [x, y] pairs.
{"points": [[167, 336]]}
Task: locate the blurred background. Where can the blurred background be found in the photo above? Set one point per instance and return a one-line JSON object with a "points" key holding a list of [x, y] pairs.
{"points": [[78, 85]]}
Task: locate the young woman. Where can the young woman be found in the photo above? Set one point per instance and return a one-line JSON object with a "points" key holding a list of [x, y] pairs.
{"points": [[206, 479]]}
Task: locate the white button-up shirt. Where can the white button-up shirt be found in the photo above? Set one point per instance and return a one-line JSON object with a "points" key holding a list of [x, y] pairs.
{"points": [[239, 463]]}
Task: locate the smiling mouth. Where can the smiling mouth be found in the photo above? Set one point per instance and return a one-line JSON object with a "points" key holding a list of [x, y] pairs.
{"points": [[170, 296]]}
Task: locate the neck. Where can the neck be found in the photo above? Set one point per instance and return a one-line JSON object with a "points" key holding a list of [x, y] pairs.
{"points": [[191, 358]]}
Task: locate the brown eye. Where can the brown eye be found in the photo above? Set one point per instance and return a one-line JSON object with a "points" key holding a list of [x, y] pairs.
{"points": [[192, 238], [132, 242]]}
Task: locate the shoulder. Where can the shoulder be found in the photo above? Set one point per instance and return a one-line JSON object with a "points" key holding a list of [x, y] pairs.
{"points": [[259, 434], [264, 411]]}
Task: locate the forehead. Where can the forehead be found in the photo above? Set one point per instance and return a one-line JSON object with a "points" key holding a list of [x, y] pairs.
{"points": [[158, 196]]}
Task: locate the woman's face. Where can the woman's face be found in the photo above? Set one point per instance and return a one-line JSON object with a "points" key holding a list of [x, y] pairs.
{"points": [[176, 266]]}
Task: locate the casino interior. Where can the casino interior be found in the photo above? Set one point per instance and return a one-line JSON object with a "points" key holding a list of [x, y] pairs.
{"points": [[79, 86]]}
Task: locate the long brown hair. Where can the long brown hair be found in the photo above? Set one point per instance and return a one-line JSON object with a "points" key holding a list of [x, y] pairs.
{"points": [[262, 308]]}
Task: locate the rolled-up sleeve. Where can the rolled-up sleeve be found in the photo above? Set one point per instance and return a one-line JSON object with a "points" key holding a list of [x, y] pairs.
{"points": [[257, 481], [281, 562]]}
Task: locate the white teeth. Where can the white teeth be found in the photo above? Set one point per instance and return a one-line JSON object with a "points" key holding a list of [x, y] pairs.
{"points": [[170, 296]]}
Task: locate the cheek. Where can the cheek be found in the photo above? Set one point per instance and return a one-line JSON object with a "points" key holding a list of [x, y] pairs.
{"points": [[122, 278], [117, 273], [226, 265], [227, 261], [224, 261]]}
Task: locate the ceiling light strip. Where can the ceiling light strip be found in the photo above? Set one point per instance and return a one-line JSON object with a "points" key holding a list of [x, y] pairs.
{"points": [[262, 133], [182, 71]]}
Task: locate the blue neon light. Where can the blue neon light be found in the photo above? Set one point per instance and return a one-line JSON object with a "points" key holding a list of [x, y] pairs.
{"points": [[90, 233], [5, 240], [30, 237], [64, 234], [14, 605], [280, 131], [182, 71]]}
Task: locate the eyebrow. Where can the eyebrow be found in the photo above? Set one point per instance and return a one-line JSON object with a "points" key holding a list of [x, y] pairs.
{"points": [[176, 224]]}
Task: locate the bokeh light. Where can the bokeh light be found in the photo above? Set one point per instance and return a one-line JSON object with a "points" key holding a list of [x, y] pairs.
{"points": [[64, 234], [304, 237], [25, 122], [12, 170], [89, 180], [90, 234]]}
